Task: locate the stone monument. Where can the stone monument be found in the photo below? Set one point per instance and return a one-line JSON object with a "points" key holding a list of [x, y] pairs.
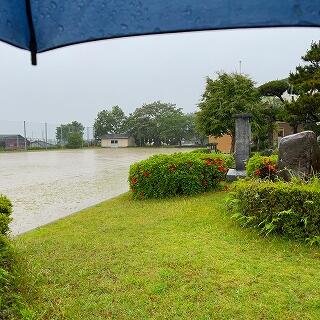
{"points": [[242, 146], [299, 155]]}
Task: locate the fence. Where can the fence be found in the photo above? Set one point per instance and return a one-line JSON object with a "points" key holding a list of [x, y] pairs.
{"points": [[36, 135]]}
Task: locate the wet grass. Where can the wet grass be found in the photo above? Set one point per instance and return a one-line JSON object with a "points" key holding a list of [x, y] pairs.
{"points": [[167, 259]]}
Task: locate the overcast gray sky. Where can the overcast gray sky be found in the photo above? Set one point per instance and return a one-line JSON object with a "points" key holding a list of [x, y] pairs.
{"points": [[76, 82]]}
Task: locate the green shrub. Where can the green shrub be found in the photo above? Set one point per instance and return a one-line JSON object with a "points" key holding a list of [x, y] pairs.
{"points": [[11, 305], [291, 209], [5, 205], [5, 212], [262, 167], [177, 174]]}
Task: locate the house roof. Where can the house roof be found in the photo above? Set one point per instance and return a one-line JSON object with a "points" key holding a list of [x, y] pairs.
{"points": [[8, 136], [115, 136], [41, 142]]}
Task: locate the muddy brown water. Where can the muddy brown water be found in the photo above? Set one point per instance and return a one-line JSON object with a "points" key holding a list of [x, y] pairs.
{"points": [[46, 186]]}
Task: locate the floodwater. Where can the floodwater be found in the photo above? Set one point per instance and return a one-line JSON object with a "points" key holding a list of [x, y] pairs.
{"points": [[45, 186]]}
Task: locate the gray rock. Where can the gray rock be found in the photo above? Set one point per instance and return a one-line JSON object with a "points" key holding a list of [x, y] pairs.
{"points": [[299, 155]]}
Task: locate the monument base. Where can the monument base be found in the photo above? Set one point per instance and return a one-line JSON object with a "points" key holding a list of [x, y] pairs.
{"points": [[234, 174]]}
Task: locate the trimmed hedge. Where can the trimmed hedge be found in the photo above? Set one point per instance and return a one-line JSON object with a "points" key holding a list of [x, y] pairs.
{"points": [[164, 175], [6, 260], [12, 305], [5, 212], [290, 209], [262, 167]]}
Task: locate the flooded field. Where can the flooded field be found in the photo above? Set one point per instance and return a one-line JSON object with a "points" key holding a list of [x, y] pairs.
{"points": [[46, 186]]}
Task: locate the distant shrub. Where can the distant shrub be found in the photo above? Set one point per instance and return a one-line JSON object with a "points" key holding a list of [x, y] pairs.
{"points": [[291, 209], [200, 150], [262, 167], [51, 147], [177, 174]]}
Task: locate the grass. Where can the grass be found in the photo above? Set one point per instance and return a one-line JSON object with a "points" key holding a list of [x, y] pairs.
{"points": [[167, 259]]}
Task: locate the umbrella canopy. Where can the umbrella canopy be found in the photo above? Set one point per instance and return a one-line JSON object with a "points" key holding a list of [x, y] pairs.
{"points": [[42, 25]]}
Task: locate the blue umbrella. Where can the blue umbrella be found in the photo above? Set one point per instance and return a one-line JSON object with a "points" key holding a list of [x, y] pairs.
{"points": [[42, 25]]}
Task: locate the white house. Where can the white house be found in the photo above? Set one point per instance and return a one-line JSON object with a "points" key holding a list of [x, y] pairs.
{"points": [[117, 141]]}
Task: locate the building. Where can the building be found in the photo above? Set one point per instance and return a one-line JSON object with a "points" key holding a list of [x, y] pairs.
{"points": [[117, 141], [282, 129], [13, 141], [41, 144], [223, 144]]}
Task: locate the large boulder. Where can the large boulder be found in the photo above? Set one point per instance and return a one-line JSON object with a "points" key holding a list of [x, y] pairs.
{"points": [[299, 154]]}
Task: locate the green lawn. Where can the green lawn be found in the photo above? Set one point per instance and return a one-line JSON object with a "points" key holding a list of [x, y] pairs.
{"points": [[167, 259]]}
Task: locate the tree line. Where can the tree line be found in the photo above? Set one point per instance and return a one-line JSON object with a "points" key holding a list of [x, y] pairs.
{"points": [[161, 123], [156, 124]]}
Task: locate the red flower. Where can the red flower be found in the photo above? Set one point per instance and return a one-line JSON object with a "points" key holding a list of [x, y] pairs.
{"points": [[134, 181], [146, 174], [257, 172], [208, 162], [219, 162], [222, 169], [271, 168], [133, 190]]}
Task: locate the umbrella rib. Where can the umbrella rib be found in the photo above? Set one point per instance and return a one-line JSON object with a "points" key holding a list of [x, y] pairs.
{"points": [[33, 40]]}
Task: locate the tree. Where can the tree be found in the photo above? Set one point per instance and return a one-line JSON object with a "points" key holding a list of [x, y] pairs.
{"points": [[109, 122], [157, 123], [75, 140], [224, 97], [305, 110], [275, 88], [191, 131], [271, 110], [267, 112], [65, 130]]}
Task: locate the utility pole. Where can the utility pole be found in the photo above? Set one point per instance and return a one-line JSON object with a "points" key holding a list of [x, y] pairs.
{"points": [[88, 136], [61, 135], [240, 65], [46, 134], [94, 136], [25, 135]]}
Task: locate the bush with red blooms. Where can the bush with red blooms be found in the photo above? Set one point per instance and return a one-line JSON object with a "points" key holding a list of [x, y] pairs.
{"points": [[164, 175], [262, 167]]}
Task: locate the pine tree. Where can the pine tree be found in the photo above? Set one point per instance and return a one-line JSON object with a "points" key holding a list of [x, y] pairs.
{"points": [[306, 82]]}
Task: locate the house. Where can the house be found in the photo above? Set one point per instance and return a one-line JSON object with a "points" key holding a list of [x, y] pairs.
{"points": [[13, 141], [41, 144], [117, 141], [223, 143]]}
